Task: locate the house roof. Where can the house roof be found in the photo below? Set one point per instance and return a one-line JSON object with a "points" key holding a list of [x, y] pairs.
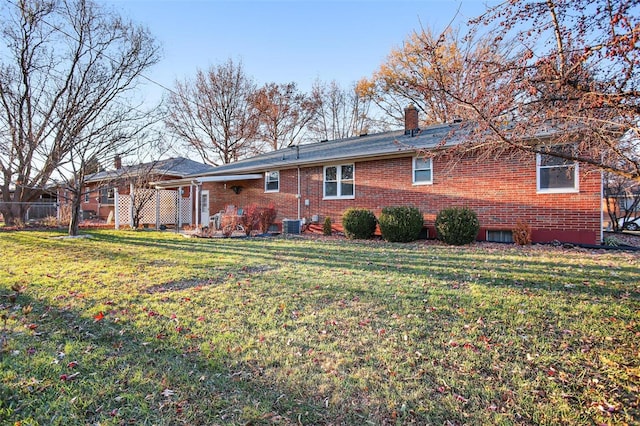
{"points": [[178, 167], [381, 145]]}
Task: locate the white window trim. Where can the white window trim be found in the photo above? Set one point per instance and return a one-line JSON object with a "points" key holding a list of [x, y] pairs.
{"points": [[338, 181], [266, 174], [414, 169], [576, 180]]}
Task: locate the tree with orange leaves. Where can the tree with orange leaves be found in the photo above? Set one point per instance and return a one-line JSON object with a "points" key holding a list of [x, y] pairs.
{"points": [[570, 78], [413, 73]]}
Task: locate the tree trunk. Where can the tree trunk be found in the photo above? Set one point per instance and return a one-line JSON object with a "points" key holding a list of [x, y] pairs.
{"points": [[13, 213], [74, 221]]}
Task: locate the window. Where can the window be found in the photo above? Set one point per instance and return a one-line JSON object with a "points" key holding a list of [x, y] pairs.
{"points": [[86, 197], [272, 181], [556, 174], [339, 181], [500, 236], [422, 171], [106, 196]]}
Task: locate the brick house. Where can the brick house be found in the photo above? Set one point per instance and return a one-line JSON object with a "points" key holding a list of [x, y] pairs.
{"points": [[559, 200]]}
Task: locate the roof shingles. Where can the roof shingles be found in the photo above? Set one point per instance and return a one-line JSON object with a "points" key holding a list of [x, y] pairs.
{"points": [[171, 167], [364, 147]]}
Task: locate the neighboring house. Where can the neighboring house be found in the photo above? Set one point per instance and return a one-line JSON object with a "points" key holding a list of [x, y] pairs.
{"points": [[103, 189], [559, 200]]}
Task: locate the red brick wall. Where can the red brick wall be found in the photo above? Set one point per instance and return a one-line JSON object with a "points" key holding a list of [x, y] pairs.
{"points": [[500, 192], [93, 204]]}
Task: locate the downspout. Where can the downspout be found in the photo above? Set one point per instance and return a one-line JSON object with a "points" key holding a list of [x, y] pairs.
{"points": [[298, 195], [601, 207]]}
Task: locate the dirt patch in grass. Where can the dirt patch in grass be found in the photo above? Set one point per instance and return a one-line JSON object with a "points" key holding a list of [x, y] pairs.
{"points": [[199, 284]]}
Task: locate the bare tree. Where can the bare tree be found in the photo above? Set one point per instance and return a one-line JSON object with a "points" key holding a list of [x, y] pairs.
{"points": [[622, 199], [214, 114], [64, 74], [567, 74], [341, 113], [141, 193], [124, 135], [283, 114]]}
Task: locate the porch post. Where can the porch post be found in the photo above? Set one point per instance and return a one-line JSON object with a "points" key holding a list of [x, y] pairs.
{"points": [[157, 209], [116, 208], [197, 221], [191, 220], [132, 197], [179, 207]]}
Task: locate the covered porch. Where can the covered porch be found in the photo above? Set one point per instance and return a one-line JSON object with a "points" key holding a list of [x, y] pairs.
{"points": [[200, 200]]}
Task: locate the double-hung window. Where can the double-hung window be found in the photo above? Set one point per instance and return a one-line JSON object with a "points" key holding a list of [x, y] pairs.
{"points": [[107, 195], [556, 174], [339, 181], [272, 181], [422, 171]]}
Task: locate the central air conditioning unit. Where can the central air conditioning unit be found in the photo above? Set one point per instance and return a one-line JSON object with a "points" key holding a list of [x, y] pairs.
{"points": [[291, 226]]}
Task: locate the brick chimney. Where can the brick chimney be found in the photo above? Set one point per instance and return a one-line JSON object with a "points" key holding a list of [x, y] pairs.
{"points": [[411, 126], [117, 162]]}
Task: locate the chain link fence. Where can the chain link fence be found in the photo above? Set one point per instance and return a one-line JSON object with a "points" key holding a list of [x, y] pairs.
{"points": [[32, 212]]}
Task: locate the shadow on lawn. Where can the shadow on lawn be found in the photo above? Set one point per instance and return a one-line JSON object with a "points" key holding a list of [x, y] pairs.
{"points": [[142, 368], [74, 368], [569, 274]]}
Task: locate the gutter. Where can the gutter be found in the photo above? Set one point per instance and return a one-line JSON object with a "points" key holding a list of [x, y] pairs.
{"points": [[323, 161]]}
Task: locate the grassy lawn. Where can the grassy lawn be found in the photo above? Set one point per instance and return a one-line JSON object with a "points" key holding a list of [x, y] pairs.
{"points": [[153, 328]]}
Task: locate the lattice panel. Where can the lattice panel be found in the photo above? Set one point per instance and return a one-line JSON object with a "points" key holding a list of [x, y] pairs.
{"points": [[148, 213], [124, 209], [185, 207], [168, 200]]}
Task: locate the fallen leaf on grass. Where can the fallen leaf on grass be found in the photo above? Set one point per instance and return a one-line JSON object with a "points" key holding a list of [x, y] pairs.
{"points": [[167, 393], [605, 407], [69, 377], [98, 317], [461, 398]]}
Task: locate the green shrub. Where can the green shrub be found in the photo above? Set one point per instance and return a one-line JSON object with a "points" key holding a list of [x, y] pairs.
{"points": [[612, 241], [457, 226], [400, 224], [358, 223], [326, 227]]}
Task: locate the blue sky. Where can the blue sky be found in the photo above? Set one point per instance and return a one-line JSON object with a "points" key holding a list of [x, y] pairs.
{"points": [[286, 40]]}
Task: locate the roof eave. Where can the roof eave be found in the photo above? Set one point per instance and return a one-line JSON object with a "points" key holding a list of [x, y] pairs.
{"points": [[196, 180], [321, 161]]}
